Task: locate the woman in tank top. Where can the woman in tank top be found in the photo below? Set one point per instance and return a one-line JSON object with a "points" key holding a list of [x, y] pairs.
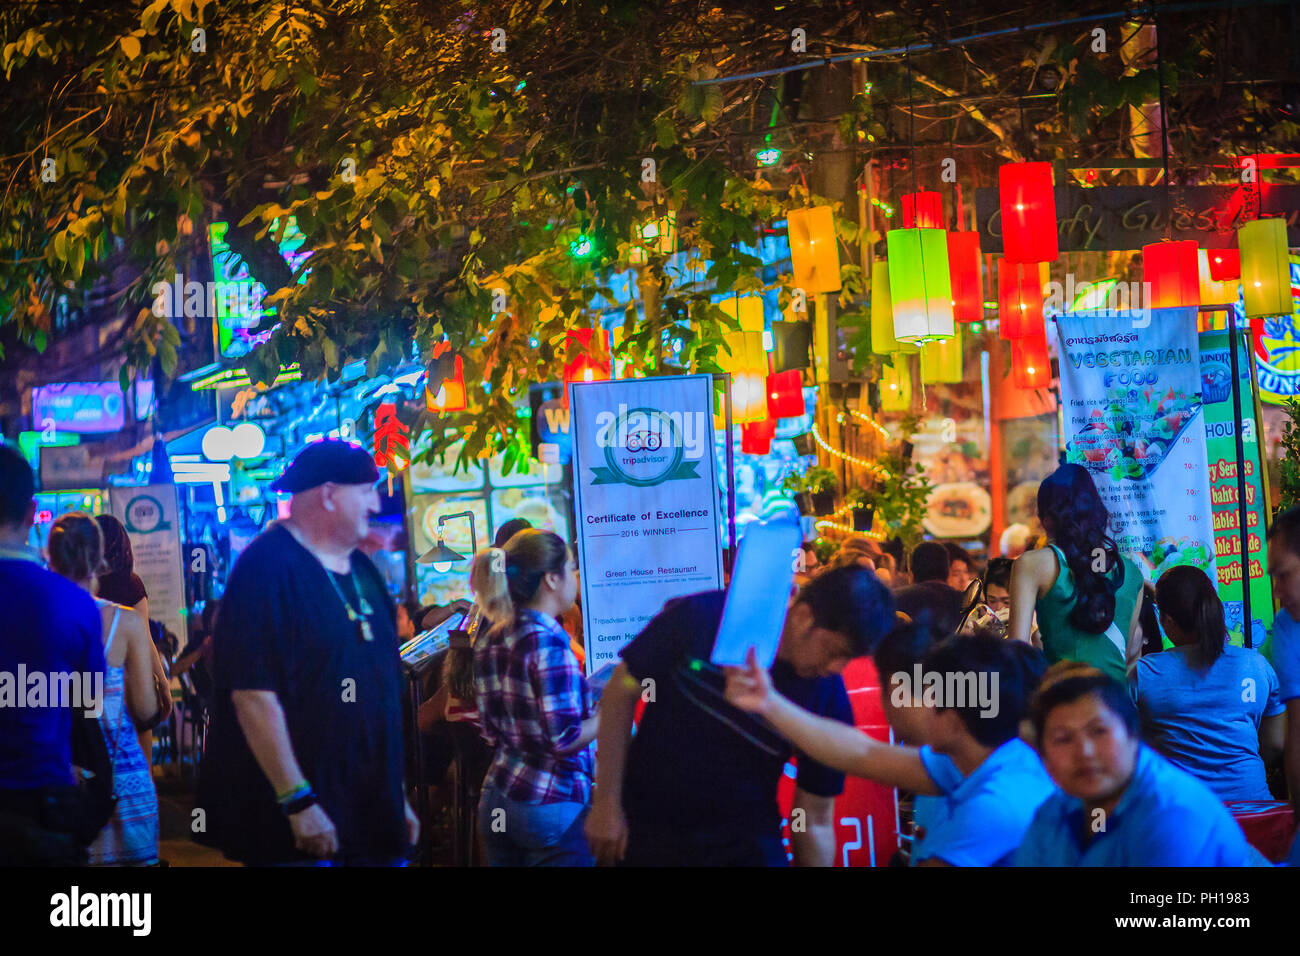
{"points": [[1086, 594], [131, 837]]}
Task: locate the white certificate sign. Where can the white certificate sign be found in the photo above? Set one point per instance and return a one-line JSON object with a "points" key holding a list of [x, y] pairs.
{"points": [[150, 516], [646, 499]]}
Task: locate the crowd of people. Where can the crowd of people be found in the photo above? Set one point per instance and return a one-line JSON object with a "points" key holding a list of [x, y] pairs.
{"points": [[1119, 727]]}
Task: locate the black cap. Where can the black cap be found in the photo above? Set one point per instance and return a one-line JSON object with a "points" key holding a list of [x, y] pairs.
{"points": [[340, 462]]}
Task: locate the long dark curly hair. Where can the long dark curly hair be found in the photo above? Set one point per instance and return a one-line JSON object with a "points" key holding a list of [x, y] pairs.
{"points": [[1074, 516]]}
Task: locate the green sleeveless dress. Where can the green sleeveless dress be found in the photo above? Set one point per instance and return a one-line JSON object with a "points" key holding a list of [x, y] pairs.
{"points": [[1062, 641]]}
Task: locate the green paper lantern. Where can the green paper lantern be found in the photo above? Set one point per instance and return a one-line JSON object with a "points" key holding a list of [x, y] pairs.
{"points": [[920, 285]]}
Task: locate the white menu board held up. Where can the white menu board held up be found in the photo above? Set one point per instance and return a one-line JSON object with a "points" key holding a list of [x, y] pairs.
{"points": [[150, 516], [646, 499]]}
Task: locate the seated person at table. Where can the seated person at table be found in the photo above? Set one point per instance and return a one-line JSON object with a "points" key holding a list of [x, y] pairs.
{"points": [[698, 784], [1283, 647], [930, 590], [1206, 705], [1120, 803], [988, 781]]}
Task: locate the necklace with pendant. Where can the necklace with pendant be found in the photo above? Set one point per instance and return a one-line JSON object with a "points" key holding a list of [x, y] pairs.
{"points": [[361, 617]]}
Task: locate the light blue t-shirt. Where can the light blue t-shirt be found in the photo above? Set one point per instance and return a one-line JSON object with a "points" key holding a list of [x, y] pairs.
{"points": [[1166, 817], [1207, 722], [1283, 651], [979, 820]]}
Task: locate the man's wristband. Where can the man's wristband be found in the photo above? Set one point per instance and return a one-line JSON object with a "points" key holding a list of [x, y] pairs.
{"points": [[299, 804], [293, 793]]}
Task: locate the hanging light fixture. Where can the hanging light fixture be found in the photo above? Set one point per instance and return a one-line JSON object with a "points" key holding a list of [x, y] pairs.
{"points": [[964, 275], [922, 210], [1028, 209], [451, 395], [920, 290], [814, 255], [1224, 264], [941, 361], [1265, 268], [1213, 291], [747, 310], [756, 437], [1020, 299], [587, 356], [1030, 365], [1173, 274], [882, 314], [785, 395], [747, 364]]}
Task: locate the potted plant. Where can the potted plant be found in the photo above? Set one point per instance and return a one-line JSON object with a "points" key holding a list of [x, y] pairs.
{"points": [[864, 512], [822, 486]]}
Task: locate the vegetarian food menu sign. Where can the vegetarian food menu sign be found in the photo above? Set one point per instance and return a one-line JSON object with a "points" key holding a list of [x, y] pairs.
{"points": [[646, 502], [1221, 446], [1131, 396]]}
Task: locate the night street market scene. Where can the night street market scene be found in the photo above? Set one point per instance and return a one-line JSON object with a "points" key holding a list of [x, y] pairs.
{"points": [[650, 434]]}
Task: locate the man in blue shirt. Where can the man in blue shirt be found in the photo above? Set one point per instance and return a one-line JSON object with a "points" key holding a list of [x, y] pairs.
{"points": [[51, 628], [986, 781], [1120, 803], [1283, 647]]}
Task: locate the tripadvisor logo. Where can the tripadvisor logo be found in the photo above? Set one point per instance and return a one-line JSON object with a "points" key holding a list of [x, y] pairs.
{"points": [[648, 446]]}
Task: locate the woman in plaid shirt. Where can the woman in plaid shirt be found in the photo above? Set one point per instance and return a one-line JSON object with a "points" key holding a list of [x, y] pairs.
{"points": [[534, 704]]}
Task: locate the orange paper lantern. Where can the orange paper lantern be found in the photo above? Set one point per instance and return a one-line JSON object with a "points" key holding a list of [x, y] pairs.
{"points": [[1173, 274], [1020, 300], [814, 255], [1030, 365], [1028, 212]]}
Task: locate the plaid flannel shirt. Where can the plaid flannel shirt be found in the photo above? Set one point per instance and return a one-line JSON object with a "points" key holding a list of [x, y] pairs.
{"points": [[532, 699]]}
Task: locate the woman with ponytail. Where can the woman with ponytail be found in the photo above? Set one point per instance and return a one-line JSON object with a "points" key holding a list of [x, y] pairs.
{"points": [[1207, 705], [1087, 595], [534, 705]]}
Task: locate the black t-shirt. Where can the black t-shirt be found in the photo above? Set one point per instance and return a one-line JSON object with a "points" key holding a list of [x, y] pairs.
{"points": [[283, 628], [698, 764], [936, 601]]}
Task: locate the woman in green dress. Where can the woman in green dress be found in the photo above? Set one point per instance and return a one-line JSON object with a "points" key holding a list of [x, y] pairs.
{"points": [[1087, 595]]}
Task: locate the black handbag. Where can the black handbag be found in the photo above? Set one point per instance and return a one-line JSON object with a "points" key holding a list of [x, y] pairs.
{"points": [[92, 767]]}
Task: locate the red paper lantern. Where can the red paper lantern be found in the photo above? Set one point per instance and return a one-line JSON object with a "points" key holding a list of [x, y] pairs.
{"points": [[586, 357], [785, 394], [1030, 365], [1174, 274], [964, 273], [1028, 212], [922, 210], [1225, 264], [756, 437], [1020, 300]]}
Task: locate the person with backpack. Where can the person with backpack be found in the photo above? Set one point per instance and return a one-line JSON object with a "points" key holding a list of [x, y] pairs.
{"points": [[53, 627], [130, 837]]}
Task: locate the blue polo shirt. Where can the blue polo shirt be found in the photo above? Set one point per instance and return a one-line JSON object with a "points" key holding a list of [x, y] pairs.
{"points": [[1166, 817], [1207, 721], [980, 820], [1283, 650], [51, 626]]}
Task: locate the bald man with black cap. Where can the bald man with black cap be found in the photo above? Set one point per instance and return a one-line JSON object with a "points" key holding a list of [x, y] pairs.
{"points": [[304, 755]]}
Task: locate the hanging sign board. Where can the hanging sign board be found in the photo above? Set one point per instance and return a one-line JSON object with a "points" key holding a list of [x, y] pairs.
{"points": [[150, 516], [1131, 402], [646, 500]]}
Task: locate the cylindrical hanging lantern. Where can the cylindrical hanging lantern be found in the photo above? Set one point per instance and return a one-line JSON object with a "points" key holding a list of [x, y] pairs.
{"points": [[1030, 365], [814, 254], [964, 272], [922, 210], [1020, 300], [920, 290], [1265, 268], [1028, 212], [1212, 291], [785, 394], [896, 385], [1225, 264], [586, 359], [1173, 274], [747, 310], [941, 361], [747, 364], [756, 437], [882, 314]]}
